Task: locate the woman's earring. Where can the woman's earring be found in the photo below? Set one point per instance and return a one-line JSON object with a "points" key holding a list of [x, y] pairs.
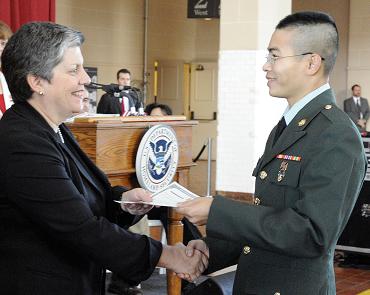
{"points": [[41, 92]]}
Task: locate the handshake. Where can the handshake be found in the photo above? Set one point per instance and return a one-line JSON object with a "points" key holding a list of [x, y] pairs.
{"points": [[187, 262]]}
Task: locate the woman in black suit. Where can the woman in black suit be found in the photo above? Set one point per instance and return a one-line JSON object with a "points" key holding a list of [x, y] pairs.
{"points": [[59, 226]]}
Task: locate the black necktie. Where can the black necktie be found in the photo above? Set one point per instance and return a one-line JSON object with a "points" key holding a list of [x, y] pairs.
{"points": [[279, 129]]}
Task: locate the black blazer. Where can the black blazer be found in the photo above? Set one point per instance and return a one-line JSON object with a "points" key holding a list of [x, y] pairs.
{"points": [[57, 215], [109, 104]]}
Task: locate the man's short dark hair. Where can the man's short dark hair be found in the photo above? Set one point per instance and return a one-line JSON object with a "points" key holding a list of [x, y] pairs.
{"points": [[123, 71], [305, 18], [356, 85], [164, 108], [316, 32]]}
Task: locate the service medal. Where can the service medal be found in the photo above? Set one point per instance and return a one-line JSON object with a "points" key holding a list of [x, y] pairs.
{"points": [[282, 170]]}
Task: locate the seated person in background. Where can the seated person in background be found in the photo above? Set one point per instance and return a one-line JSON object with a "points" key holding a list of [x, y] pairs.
{"points": [[60, 227], [155, 109], [357, 108], [132, 97]]}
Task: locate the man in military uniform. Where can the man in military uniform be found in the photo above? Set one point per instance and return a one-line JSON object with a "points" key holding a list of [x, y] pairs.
{"points": [[307, 180]]}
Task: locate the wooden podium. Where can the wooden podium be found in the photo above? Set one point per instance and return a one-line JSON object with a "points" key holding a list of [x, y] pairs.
{"points": [[112, 143]]}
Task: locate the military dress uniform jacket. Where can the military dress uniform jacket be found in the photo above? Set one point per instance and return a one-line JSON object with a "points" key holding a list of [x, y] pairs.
{"points": [[58, 222], [284, 242]]}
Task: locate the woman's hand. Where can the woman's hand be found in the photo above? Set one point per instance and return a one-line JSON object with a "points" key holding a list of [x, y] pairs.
{"points": [[136, 195]]}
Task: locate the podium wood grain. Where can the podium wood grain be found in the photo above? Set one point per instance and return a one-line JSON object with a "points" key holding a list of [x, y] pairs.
{"points": [[113, 144]]}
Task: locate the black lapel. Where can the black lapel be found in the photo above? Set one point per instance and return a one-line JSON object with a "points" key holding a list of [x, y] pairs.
{"points": [[286, 139], [71, 140], [25, 110], [293, 132]]}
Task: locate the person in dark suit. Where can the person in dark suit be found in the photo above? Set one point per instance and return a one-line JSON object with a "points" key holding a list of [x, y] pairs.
{"points": [[60, 227], [357, 108], [109, 103], [307, 180]]}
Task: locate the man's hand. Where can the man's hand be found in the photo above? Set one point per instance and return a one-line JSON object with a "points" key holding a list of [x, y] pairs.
{"points": [[136, 195], [188, 268], [191, 248], [199, 245], [196, 210], [361, 123]]}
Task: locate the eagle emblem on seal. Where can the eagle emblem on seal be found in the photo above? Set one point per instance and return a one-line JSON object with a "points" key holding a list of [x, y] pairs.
{"points": [[159, 158]]}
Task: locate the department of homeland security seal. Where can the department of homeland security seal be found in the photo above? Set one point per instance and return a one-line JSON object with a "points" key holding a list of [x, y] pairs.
{"points": [[157, 158]]}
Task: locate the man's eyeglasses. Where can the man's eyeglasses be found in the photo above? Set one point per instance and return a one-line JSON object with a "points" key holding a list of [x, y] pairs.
{"points": [[271, 59]]}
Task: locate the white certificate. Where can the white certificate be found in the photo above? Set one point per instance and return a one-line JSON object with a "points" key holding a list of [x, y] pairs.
{"points": [[169, 196]]}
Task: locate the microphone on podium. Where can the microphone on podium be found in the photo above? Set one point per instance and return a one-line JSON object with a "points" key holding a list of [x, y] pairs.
{"points": [[109, 88]]}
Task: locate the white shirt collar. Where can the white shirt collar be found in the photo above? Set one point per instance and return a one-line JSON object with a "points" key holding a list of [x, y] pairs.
{"points": [[291, 112], [357, 99]]}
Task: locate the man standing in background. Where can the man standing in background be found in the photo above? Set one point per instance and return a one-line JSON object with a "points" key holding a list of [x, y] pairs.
{"points": [[357, 108]]}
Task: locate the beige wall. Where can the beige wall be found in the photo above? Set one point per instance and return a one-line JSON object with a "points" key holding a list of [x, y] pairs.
{"points": [[339, 10], [359, 46], [172, 36], [114, 31]]}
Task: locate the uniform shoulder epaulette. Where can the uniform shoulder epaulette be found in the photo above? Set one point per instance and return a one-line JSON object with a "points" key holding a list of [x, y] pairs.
{"points": [[333, 113]]}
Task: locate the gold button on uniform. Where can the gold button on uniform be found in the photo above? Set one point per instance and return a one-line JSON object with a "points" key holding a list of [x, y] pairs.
{"points": [[256, 201], [263, 174], [328, 107], [302, 122], [246, 250], [277, 293]]}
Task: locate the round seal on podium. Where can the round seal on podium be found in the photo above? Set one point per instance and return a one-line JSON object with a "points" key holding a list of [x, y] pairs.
{"points": [[157, 158]]}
